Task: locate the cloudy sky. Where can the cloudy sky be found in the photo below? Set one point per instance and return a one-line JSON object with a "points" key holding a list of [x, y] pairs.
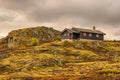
{"points": [[60, 14]]}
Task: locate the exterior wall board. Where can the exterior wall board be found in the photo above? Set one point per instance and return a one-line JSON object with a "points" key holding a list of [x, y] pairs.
{"points": [[81, 35]]}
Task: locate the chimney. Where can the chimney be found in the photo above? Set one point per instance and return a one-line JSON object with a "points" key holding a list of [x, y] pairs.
{"points": [[94, 28]]}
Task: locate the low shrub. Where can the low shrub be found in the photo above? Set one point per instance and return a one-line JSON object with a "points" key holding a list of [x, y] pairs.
{"points": [[34, 42], [5, 68], [88, 55], [70, 52], [109, 71], [67, 44], [52, 62]]}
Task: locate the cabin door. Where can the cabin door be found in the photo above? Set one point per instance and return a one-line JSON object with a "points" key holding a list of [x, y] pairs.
{"points": [[70, 36], [76, 36]]}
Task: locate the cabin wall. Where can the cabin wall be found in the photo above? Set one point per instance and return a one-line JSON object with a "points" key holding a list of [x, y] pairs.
{"points": [[67, 35], [101, 37], [76, 35], [93, 37]]}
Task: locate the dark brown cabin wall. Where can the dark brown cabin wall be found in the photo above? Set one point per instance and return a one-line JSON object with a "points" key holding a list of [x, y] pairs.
{"points": [[63, 35], [80, 35], [93, 37], [70, 36], [101, 37], [76, 35]]}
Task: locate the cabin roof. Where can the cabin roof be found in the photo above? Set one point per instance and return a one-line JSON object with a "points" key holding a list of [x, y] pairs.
{"points": [[69, 30], [78, 30]]}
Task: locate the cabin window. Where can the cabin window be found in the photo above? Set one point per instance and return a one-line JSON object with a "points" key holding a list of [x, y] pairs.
{"points": [[84, 34], [90, 34], [97, 35], [68, 34], [65, 34]]}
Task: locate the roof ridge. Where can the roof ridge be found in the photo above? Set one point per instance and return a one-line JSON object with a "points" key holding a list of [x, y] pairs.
{"points": [[87, 30], [83, 28]]}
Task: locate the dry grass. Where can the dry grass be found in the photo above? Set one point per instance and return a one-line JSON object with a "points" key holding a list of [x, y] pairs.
{"points": [[62, 61]]}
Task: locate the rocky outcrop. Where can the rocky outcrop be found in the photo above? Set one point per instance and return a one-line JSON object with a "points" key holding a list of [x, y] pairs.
{"points": [[24, 36]]}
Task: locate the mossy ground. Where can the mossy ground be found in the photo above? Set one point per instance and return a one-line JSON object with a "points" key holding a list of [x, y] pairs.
{"points": [[57, 60]]}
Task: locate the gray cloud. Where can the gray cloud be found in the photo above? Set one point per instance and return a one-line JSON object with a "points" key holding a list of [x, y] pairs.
{"points": [[7, 16], [94, 11], [16, 4], [103, 13]]}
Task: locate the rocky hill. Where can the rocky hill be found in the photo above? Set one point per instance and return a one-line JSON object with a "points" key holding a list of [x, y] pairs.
{"points": [[38, 54], [41, 32], [25, 36]]}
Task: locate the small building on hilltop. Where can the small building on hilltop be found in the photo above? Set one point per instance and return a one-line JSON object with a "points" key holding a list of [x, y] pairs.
{"points": [[79, 33]]}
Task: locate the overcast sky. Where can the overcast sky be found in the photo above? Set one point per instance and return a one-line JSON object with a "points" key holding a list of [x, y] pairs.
{"points": [[60, 14]]}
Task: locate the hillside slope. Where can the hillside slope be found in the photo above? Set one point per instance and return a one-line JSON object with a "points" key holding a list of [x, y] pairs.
{"points": [[88, 60], [37, 53]]}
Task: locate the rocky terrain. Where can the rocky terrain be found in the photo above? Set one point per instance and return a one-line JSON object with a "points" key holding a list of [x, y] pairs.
{"points": [[28, 36], [58, 60]]}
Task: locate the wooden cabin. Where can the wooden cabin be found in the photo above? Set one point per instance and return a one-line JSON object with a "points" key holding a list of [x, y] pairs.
{"points": [[79, 33]]}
